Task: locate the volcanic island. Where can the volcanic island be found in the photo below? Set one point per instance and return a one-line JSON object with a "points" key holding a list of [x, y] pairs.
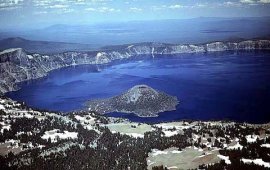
{"points": [[141, 100]]}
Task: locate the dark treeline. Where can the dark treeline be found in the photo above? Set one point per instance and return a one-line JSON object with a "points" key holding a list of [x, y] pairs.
{"points": [[100, 149]]}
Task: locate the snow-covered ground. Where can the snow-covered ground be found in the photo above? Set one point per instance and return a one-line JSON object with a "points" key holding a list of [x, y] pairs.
{"points": [[2, 107], [169, 133], [251, 138], [266, 145], [235, 147], [135, 135], [54, 134], [173, 158], [175, 125], [225, 158], [257, 162], [9, 50], [60, 149], [87, 121], [4, 126]]}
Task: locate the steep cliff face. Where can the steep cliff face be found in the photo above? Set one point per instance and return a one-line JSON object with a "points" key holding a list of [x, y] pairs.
{"points": [[17, 66]]}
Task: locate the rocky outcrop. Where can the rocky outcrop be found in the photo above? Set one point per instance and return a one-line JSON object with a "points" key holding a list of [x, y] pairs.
{"points": [[16, 65], [141, 100]]}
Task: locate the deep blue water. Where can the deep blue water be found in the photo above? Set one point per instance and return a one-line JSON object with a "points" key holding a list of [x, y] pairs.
{"points": [[234, 86]]}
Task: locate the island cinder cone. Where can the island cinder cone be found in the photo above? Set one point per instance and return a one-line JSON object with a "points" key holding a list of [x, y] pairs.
{"points": [[141, 100]]}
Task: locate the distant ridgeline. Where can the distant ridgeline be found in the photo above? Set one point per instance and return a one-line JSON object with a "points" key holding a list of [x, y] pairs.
{"points": [[42, 47], [16, 65]]}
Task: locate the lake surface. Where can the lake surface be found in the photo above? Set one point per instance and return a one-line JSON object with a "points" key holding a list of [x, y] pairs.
{"points": [[234, 86]]}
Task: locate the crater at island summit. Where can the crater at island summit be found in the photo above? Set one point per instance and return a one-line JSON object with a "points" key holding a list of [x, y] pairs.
{"points": [[141, 100]]}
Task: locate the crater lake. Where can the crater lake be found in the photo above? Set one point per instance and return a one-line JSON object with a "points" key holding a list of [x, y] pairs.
{"points": [[210, 86]]}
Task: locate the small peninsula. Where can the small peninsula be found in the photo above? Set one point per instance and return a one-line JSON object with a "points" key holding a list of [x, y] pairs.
{"points": [[141, 100]]}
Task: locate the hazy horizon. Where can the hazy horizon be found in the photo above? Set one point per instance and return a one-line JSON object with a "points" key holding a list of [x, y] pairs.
{"points": [[45, 26], [30, 14], [115, 22]]}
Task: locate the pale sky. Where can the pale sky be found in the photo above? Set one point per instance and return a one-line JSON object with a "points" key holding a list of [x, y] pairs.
{"points": [[37, 13]]}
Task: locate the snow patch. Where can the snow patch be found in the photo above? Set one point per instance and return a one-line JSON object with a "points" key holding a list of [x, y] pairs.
{"points": [[156, 152], [251, 138], [100, 54], [30, 57], [130, 46], [172, 125], [5, 126], [9, 50], [235, 147], [225, 158], [54, 134], [177, 152], [257, 162], [169, 133], [2, 107], [45, 56], [267, 145], [135, 135], [86, 119]]}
